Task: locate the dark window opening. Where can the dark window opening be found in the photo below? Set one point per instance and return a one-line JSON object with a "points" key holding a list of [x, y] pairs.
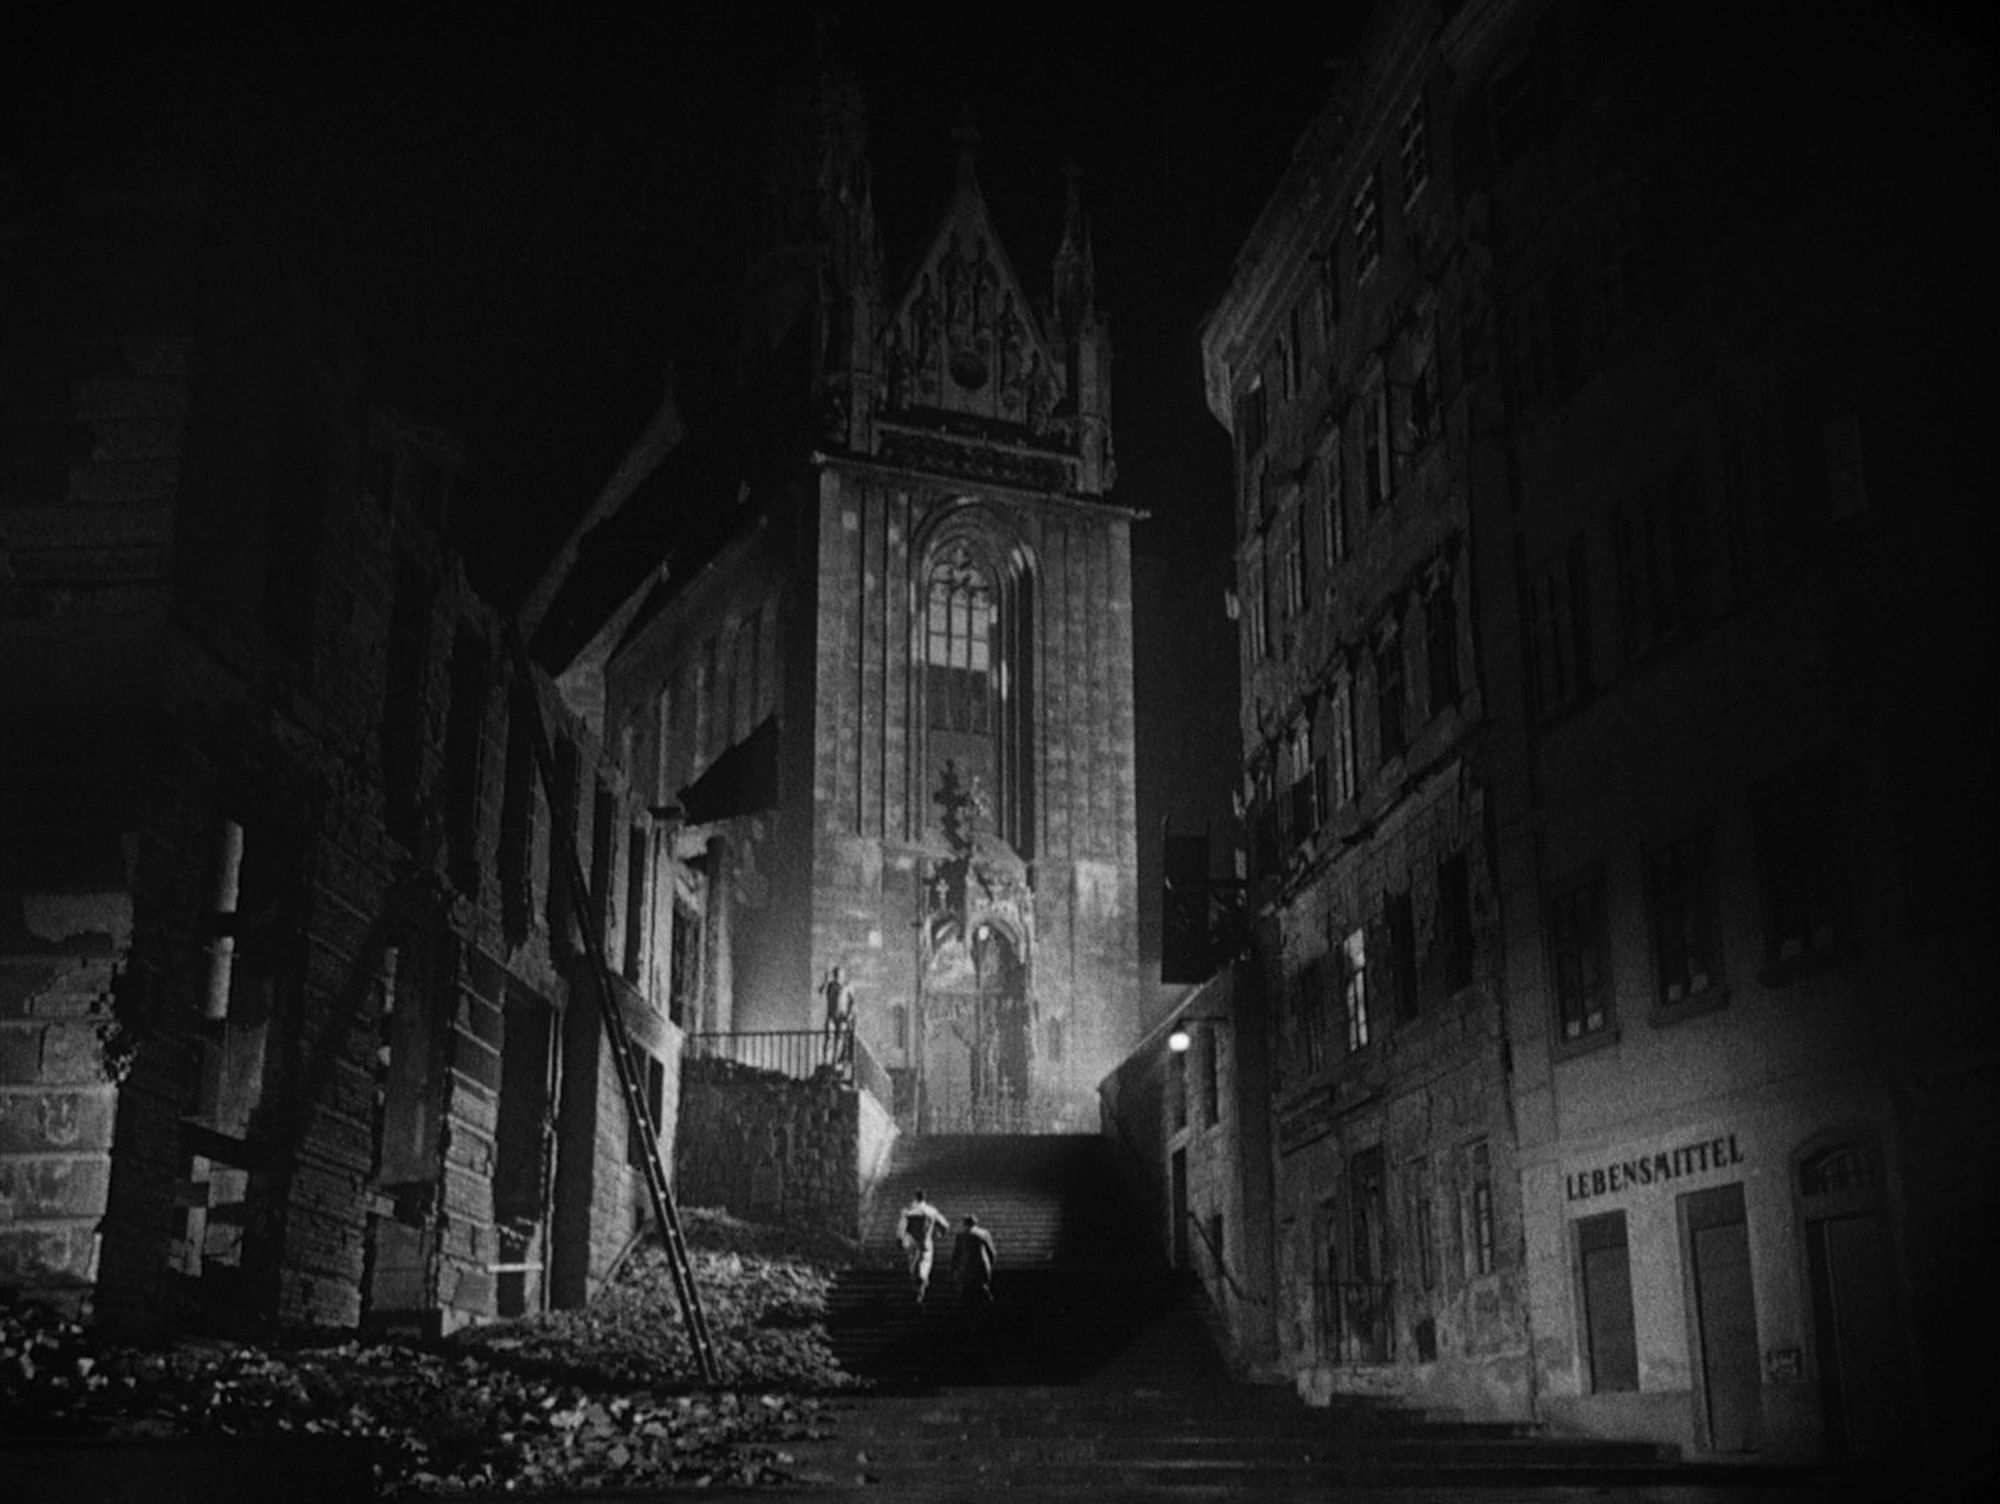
{"points": [[1558, 635], [1441, 646], [517, 820], [1398, 918], [1681, 900], [656, 1103], [1663, 564], [465, 737], [1391, 737], [1575, 913], [684, 977], [636, 875], [1803, 863], [1454, 920]]}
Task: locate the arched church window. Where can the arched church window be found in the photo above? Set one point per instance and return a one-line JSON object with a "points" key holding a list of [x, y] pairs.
{"points": [[959, 644]]}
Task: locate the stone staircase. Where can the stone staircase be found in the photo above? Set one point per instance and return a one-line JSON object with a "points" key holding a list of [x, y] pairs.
{"points": [[1094, 1375]]}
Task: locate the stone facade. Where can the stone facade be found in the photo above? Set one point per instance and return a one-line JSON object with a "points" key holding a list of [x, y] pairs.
{"points": [[884, 704], [1655, 326], [1709, 605], [772, 1148], [1336, 359], [282, 961]]}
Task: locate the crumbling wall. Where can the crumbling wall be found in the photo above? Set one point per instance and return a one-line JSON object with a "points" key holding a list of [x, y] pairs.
{"points": [[771, 1148]]}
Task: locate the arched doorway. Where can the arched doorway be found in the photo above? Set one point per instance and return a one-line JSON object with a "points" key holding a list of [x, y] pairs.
{"points": [[1858, 1328], [976, 1067]]}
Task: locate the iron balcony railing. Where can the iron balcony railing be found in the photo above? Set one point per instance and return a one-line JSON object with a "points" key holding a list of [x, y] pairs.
{"points": [[1357, 1320], [800, 1054]]}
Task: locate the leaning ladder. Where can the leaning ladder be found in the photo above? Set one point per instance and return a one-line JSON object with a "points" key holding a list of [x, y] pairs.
{"points": [[630, 1081]]}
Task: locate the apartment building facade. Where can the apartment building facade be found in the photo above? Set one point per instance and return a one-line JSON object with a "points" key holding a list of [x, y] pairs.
{"points": [[1718, 270], [1700, 452], [284, 975], [1336, 360]]}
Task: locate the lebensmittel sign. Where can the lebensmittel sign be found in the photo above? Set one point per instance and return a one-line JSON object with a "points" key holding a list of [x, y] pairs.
{"points": [[1615, 1176]]}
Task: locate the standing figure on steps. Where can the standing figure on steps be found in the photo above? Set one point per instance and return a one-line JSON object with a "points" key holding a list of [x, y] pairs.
{"points": [[839, 1036], [972, 1265], [917, 1231]]}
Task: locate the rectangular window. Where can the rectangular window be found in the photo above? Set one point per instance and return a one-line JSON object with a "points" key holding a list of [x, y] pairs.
{"points": [[465, 748], [1663, 566], [1294, 565], [1441, 645], [1267, 597], [1454, 921], [1346, 783], [1304, 793], [1424, 405], [704, 704], [1413, 151], [684, 979], [1255, 636], [1367, 221], [1479, 1210], [1400, 920], [1575, 913], [1558, 635], [1391, 739], [1680, 901], [1180, 1089], [1309, 1014], [1378, 459], [1531, 350], [1211, 1076], [1802, 863], [1333, 502], [517, 822], [1354, 989], [1250, 422], [1606, 1275], [1422, 1222], [636, 844]]}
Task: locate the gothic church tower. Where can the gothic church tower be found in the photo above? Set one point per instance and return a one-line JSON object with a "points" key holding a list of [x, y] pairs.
{"points": [[964, 599]]}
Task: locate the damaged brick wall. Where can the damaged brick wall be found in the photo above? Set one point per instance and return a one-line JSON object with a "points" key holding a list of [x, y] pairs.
{"points": [[798, 1153], [274, 947]]}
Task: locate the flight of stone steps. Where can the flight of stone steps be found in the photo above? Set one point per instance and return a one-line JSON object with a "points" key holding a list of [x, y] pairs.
{"points": [[1094, 1375]]}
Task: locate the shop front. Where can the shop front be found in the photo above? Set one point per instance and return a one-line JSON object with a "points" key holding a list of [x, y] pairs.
{"points": [[1730, 1284]]}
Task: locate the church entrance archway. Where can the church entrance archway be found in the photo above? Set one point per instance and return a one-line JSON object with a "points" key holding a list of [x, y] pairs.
{"points": [[976, 1067]]}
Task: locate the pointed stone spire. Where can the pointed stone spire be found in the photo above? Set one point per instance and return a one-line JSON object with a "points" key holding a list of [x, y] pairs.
{"points": [[1075, 268], [965, 135]]}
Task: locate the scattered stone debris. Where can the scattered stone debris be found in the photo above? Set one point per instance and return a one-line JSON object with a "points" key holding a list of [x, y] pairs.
{"points": [[598, 1396]]}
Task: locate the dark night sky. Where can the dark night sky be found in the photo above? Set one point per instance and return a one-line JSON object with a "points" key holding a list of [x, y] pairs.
{"points": [[526, 220]]}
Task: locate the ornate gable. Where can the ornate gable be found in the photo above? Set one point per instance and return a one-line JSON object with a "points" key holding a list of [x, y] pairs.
{"points": [[963, 337], [969, 378]]}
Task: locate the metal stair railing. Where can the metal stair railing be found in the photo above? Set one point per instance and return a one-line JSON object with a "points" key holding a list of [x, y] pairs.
{"points": [[631, 1081]]}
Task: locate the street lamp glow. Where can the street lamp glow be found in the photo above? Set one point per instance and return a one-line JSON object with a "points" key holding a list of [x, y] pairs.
{"points": [[1180, 1039]]}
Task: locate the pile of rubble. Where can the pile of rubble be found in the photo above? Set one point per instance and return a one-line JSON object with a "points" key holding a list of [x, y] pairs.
{"points": [[600, 1395]]}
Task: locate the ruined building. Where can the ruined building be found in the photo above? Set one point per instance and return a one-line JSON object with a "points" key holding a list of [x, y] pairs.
{"points": [[1604, 386], [881, 701], [284, 982], [1336, 359]]}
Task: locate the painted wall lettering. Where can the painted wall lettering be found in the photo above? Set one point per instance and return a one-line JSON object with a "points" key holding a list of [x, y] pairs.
{"points": [[1698, 1158]]}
